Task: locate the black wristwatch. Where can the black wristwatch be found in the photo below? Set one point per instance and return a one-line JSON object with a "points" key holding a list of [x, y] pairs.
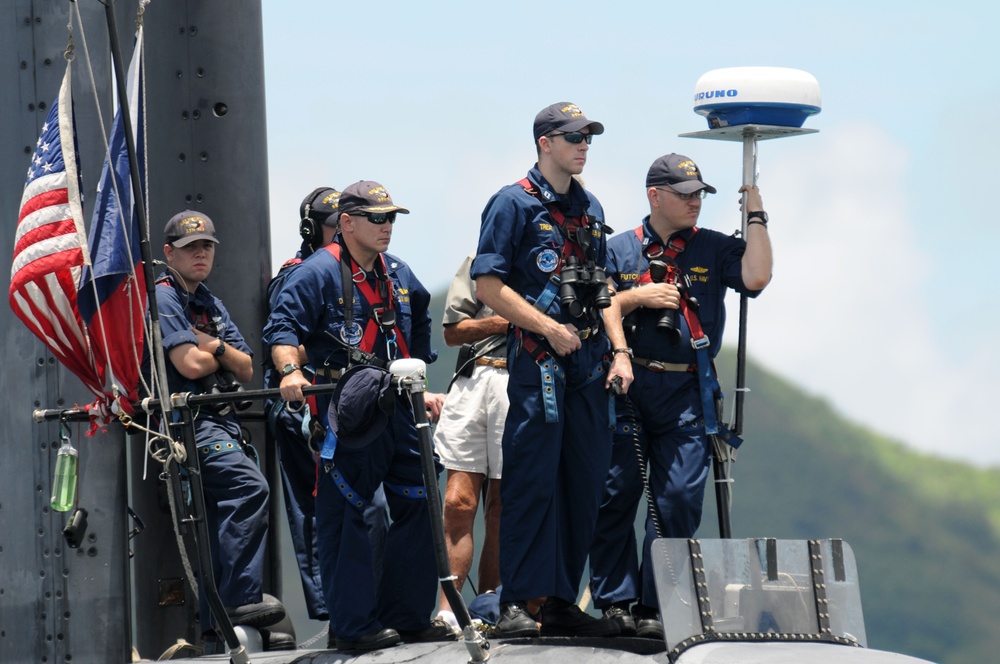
{"points": [[289, 368], [220, 350], [758, 214]]}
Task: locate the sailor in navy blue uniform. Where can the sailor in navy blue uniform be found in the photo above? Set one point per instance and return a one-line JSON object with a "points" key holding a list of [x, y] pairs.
{"points": [[381, 316], [672, 279], [298, 430], [201, 341], [557, 437]]}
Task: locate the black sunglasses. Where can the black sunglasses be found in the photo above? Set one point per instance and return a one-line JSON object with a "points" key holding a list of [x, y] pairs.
{"points": [[378, 218], [576, 137]]}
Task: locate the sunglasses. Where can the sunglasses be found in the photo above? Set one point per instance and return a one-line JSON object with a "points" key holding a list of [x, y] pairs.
{"points": [[378, 218], [576, 137], [701, 193]]}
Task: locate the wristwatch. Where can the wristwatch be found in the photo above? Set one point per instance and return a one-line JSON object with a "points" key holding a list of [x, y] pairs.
{"points": [[289, 368], [758, 214], [626, 351], [220, 350]]}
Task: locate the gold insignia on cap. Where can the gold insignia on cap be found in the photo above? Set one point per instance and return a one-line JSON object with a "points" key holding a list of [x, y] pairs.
{"points": [[192, 225], [689, 167], [572, 110]]}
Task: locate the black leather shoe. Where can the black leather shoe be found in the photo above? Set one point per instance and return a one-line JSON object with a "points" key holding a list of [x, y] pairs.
{"points": [[438, 630], [618, 614], [377, 640], [562, 618], [277, 640], [515, 622], [266, 612], [647, 622]]}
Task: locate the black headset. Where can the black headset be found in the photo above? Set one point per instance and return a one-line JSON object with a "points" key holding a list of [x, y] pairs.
{"points": [[310, 229]]}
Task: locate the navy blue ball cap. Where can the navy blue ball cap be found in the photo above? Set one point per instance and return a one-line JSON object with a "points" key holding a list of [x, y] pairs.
{"points": [[361, 406], [187, 226], [565, 117], [368, 196], [677, 172]]}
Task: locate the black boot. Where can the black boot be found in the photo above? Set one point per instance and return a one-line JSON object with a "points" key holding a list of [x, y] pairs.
{"points": [[562, 618], [618, 613]]}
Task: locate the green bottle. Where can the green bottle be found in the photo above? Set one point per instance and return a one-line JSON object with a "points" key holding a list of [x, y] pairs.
{"points": [[64, 483]]}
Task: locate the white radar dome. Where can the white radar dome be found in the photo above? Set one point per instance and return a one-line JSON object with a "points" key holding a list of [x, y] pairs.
{"points": [[756, 95]]}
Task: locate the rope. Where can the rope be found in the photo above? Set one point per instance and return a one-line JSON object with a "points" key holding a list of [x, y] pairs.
{"points": [[140, 115], [322, 633], [172, 451]]}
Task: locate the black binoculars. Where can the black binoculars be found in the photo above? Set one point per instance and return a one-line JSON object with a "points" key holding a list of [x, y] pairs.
{"points": [[224, 382], [583, 284], [668, 322]]}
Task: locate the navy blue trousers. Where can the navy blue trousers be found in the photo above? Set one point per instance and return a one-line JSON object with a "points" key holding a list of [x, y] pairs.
{"points": [[236, 496], [297, 462], [666, 410], [358, 599], [553, 474]]}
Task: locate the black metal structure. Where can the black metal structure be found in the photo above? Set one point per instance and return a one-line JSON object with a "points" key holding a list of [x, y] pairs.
{"points": [[206, 147]]}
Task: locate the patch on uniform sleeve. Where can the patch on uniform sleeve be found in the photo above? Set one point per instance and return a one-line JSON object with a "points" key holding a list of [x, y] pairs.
{"points": [[548, 260]]}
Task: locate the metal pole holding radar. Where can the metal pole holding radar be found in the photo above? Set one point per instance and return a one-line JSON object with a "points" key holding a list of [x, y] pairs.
{"points": [[749, 104], [410, 374]]}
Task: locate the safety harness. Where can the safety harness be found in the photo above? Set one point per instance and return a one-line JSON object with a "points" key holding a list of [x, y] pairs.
{"points": [[575, 232], [380, 302], [201, 319], [382, 319], [708, 382]]}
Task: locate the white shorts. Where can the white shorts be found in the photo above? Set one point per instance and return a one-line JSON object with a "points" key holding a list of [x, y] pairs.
{"points": [[469, 433]]}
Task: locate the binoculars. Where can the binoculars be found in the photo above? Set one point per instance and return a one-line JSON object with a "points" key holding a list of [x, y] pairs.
{"points": [[224, 382], [668, 322], [583, 286]]}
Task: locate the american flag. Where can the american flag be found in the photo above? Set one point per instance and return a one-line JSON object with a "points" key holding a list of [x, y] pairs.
{"points": [[50, 248]]}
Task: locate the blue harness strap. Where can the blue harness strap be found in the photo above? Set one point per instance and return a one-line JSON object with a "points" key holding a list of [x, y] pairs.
{"points": [[710, 390], [406, 491], [551, 371], [326, 455], [218, 447], [352, 497], [626, 428], [548, 294]]}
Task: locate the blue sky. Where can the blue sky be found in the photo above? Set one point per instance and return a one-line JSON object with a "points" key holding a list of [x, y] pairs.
{"points": [[882, 299]]}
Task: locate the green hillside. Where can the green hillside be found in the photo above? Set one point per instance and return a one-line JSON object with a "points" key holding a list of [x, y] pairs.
{"points": [[924, 530]]}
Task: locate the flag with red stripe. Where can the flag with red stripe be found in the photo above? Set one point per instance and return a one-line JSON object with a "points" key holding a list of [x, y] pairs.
{"points": [[50, 248], [112, 296]]}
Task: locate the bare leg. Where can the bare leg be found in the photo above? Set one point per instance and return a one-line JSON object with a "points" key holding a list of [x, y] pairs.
{"points": [[489, 556], [461, 500]]}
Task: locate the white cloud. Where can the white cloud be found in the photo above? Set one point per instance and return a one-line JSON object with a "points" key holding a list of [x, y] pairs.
{"points": [[849, 314]]}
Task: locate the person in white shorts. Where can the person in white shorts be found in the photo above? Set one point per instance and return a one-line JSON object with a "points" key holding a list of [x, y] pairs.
{"points": [[469, 432]]}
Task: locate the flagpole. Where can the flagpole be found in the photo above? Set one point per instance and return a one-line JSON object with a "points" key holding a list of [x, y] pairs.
{"points": [[156, 345], [237, 652]]}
